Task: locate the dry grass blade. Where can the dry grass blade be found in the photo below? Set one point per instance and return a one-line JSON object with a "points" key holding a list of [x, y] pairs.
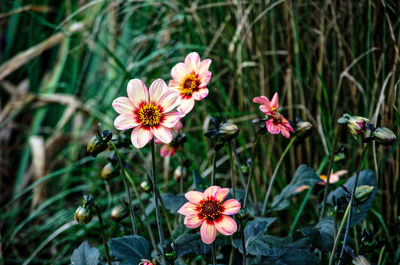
{"points": [[39, 168], [40, 9]]}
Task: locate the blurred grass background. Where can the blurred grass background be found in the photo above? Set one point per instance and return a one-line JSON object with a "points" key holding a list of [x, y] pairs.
{"points": [[63, 63]]}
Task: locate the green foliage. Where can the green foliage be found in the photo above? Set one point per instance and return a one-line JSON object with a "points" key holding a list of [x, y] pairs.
{"points": [[130, 249], [85, 255]]}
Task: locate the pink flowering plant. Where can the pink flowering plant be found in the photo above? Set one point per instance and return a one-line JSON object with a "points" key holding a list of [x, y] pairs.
{"points": [[220, 216]]}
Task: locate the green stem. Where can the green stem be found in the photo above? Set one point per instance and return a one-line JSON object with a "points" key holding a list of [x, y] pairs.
{"points": [[182, 171], [103, 235], [352, 200], [214, 165], [155, 191], [243, 241], [381, 255], [214, 258], [253, 156], [231, 257], [232, 176], [339, 233], [275, 173], [127, 189], [239, 165], [328, 174], [166, 217]]}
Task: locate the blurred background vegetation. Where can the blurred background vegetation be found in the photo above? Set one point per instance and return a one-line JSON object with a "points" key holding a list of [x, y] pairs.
{"points": [[63, 63]]}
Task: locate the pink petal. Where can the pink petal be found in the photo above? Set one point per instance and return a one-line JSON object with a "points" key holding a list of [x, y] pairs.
{"points": [[204, 79], [273, 128], [174, 85], [165, 150], [170, 119], [178, 126], [211, 191], [192, 61], [262, 100], [266, 110], [286, 123], [169, 100], [193, 221], [125, 122], [186, 105], [199, 95], [301, 188], [157, 90], [188, 209], [230, 207], [194, 196], [123, 105], [204, 66], [285, 132], [274, 101], [137, 92], [221, 194], [163, 134], [208, 232], [179, 71], [141, 136], [225, 225]]}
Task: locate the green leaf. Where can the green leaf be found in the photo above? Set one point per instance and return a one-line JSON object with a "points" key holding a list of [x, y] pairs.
{"points": [[322, 234], [304, 175], [85, 255], [199, 183], [256, 227], [173, 202], [190, 243], [130, 249], [367, 177]]}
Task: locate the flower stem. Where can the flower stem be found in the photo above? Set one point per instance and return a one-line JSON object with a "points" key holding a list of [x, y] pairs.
{"points": [[253, 156], [243, 241], [275, 173], [102, 233], [352, 200], [339, 233], [328, 174], [214, 258], [155, 190], [214, 165], [127, 189], [232, 176], [182, 171], [239, 165]]}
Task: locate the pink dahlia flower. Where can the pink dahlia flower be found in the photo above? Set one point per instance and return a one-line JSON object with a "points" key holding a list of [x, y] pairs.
{"points": [[171, 148], [208, 210], [148, 111], [333, 178], [277, 123], [190, 79]]}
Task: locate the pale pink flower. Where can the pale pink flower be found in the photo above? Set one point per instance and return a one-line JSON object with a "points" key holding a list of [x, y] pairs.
{"points": [[171, 148], [190, 79], [148, 111], [333, 178], [146, 262], [208, 210], [277, 123]]}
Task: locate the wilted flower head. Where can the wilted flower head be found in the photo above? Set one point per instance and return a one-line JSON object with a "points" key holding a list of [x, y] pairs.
{"points": [[223, 131], [303, 128], [276, 123], [384, 136], [190, 80], [208, 210], [149, 111], [356, 124]]}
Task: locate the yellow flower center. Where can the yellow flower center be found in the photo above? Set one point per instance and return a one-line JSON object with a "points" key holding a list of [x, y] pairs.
{"points": [[210, 209], [189, 85], [150, 115]]}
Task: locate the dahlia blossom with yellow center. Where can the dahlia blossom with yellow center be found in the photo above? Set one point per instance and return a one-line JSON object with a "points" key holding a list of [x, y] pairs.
{"points": [[210, 212], [150, 112], [190, 80]]}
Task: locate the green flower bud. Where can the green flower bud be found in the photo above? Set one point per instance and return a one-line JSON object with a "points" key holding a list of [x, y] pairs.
{"points": [[98, 144], [384, 136], [363, 192], [145, 186], [357, 125], [118, 213], [171, 255], [109, 171], [178, 173], [83, 215], [242, 214], [303, 129], [228, 131]]}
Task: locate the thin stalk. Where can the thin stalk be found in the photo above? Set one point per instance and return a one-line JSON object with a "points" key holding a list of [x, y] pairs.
{"points": [[275, 173], [103, 235], [328, 174], [381, 255], [239, 165], [339, 233], [127, 189], [253, 156], [214, 165], [155, 190], [243, 241], [166, 217], [352, 200], [214, 258], [232, 256], [232, 176], [182, 172]]}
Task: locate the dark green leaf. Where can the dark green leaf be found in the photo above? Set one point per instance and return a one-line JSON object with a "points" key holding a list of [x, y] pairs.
{"points": [[173, 202], [322, 234], [256, 227], [85, 255], [304, 175], [367, 177], [130, 249], [190, 243]]}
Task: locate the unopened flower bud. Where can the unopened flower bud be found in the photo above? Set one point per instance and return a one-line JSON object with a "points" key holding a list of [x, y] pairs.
{"points": [[178, 173], [145, 186], [96, 146], [109, 171], [303, 129], [83, 215], [228, 131], [171, 255], [357, 125], [147, 262], [242, 214], [363, 192], [118, 213], [361, 260], [384, 136]]}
